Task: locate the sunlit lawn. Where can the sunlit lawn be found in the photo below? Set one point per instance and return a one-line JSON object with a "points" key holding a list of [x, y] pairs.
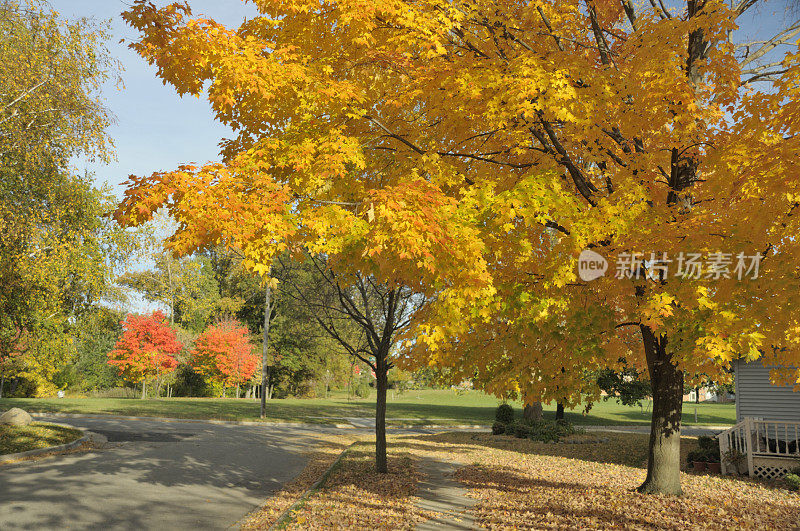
{"points": [[447, 407], [14, 439]]}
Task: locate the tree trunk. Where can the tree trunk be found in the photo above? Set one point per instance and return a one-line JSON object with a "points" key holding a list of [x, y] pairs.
{"points": [[144, 389], [2, 383], [559, 411], [664, 453], [533, 411], [237, 390], [265, 350], [381, 384]]}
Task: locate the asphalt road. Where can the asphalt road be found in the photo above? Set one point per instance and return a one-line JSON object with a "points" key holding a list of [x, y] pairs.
{"points": [[154, 475]]}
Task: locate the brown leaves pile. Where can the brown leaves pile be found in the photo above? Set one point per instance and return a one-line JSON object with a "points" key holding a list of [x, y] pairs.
{"points": [[522, 484], [326, 452], [355, 496]]}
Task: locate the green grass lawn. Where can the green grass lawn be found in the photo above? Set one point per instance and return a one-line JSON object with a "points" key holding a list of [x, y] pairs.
{"points": [[411, 407], [14, 439]]}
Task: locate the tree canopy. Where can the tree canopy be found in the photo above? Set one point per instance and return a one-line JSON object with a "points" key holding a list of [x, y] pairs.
{"points": [[473, 150]]}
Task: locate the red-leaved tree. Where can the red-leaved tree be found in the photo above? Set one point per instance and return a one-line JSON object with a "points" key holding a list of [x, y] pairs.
{"points": [[225, 355], [146, 349]]}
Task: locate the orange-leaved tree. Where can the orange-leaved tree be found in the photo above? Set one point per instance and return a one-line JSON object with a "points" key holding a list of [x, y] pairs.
{"points": [[224, 353], [146, 349], [473, 150]]}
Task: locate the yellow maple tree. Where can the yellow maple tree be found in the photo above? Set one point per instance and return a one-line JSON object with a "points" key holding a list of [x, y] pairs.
{"points": [[473, 150]]}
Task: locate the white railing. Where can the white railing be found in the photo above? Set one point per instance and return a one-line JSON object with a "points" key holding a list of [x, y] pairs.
{"points": [[761, 439]]}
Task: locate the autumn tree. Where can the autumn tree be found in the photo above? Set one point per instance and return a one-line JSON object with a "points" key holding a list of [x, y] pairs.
{"points": [[363, 316], [224, 353], [473, 150], [146, 349], [59, 251]]}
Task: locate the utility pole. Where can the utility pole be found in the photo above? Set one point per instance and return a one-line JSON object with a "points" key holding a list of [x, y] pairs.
{"points": [[265, 350]]}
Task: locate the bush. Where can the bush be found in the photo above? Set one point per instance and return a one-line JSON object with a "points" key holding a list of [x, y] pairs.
{"points": [[498, 428], [362, 390], [504, 413], [537, 430], [712, 455], [793, 482], [116, 392], [707, 443], [695, 455], [520, 429]]}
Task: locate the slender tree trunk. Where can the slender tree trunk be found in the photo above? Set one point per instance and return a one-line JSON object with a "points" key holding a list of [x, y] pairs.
{"points": [[144, 389], [237, 390], [381, 384], [664, 452], [265, 351], [559, 411], [2, 383]]}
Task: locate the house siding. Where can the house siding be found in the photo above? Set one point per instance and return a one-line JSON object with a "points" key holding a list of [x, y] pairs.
{"points": [[757, 398]]}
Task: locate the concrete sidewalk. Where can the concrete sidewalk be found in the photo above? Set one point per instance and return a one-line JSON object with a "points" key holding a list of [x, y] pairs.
{"points": [[441, 494]]}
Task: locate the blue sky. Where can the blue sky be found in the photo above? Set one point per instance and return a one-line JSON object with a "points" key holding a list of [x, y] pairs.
{"points": [[155, 129]]}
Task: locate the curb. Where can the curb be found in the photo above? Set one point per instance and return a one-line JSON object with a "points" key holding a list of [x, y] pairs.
{"points": [[286, 515], [195, 421], [259, 423], [58, 448]]}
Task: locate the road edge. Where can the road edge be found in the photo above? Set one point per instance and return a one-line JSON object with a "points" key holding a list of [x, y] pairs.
{"points": [[59, 448], [286, 516]]}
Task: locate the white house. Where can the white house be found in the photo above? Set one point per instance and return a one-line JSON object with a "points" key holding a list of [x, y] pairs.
{"points": [[768, 424]]}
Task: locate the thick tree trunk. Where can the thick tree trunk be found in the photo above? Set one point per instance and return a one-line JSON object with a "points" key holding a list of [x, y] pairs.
{"points": [[559, 411], [265, 351], [664, 453], [533, 411], [381, 383], [237, 390]]}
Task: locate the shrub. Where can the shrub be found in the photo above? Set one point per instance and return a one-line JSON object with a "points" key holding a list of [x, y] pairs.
{"points": [[362, 390], [498, 428], [695, 455], [793, 482], [504, 413], [547, 431], [735, 459], [707, 443], [520, 429], [712, 455]]}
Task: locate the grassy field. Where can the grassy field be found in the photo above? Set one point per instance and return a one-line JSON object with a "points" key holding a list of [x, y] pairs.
{"points": [[444, 407], [14, 439]]}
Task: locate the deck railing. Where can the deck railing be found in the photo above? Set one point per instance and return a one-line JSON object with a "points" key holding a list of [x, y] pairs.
{"points": [[760, 439]]}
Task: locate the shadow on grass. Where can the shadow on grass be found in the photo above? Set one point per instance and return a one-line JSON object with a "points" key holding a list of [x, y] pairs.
{"points": [[629, 449], [310, 410]]}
